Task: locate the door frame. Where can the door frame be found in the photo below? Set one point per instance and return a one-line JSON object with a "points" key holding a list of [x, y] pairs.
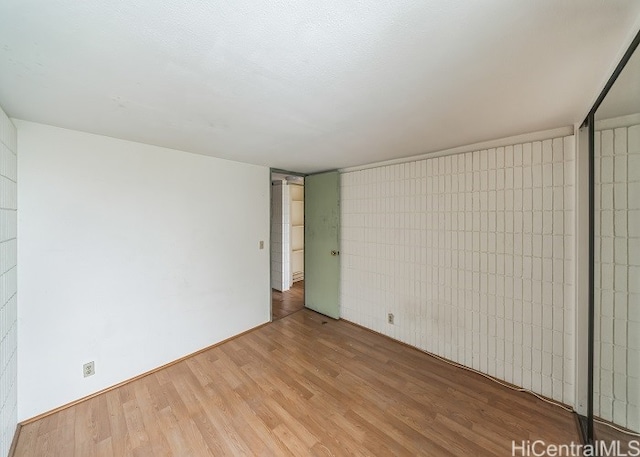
{"points": [[273, 170]]}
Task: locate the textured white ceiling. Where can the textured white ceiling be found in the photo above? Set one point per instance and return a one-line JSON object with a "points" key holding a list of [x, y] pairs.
{"points": [[308, 85]]}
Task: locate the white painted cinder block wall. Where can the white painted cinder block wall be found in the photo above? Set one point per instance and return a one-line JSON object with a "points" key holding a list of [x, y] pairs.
{"points": [[473, 254], [280, 236], [131, 256], [617, 275], [8, 284]]}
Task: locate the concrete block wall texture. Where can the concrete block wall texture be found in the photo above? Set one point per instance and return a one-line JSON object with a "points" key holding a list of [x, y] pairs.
{"points": [[474, 255], [617, 280], [8, 283], [280, 237]]}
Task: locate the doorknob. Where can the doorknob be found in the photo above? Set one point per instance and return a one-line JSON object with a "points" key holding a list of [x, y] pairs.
{"points": [[335, 253]]}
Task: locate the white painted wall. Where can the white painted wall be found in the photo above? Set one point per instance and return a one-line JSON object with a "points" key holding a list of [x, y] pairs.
{"points": [[617, 274], [280, 236], [8, 284], [473, 254], [130, 255]]}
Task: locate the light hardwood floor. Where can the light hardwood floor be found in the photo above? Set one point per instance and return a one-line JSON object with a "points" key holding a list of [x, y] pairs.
{"points": [[608, 435], [303, 385], [285, 303]]}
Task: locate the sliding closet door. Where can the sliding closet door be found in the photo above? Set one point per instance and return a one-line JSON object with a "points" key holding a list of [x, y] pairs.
{"points": [[616, 375]]}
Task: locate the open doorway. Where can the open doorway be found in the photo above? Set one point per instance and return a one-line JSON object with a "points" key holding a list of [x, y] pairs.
{"points": [[287, 243]]}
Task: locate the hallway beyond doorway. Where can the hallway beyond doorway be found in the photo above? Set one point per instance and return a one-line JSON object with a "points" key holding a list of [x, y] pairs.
{"points": [[285, 303]]}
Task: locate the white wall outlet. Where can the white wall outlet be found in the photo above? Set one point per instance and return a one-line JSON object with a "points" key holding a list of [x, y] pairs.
{"points": [[89, 369], [261, 244], [390, 318]]}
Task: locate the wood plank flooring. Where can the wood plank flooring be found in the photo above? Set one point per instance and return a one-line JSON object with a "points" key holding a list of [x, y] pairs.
{"points": [[303, 385], [285, 303], [608, 434]]}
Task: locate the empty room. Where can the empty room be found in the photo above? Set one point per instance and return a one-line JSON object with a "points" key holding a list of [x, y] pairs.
{"points": [[319, 228]]}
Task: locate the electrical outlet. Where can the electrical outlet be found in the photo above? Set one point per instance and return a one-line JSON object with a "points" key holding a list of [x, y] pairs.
{"points": [[261, 244], [89, 369], [390, 318]]}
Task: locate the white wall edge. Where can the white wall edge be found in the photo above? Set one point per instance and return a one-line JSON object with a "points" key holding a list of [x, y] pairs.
{"points": [[507, 141], [269, 242], [581, 273]]}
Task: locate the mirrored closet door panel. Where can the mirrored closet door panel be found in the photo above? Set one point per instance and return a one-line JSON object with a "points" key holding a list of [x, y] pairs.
{"points": [[616, 375]]}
